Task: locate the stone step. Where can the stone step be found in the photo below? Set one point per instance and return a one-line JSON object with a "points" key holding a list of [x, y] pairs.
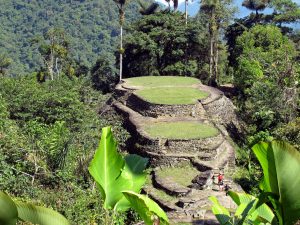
{"points": [[225, 153]]}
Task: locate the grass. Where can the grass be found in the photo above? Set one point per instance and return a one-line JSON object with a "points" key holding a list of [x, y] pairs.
{"points": [[172, 95], [160, 81], [163, 195], [159, 193], [182, 174], [180, 130]]}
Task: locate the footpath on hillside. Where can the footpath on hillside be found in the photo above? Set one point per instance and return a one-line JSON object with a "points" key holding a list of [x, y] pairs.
{"points": [[182, 127]]}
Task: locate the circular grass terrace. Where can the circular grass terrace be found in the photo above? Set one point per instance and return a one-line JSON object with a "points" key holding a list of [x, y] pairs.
{"points": [[172, 95], [161, 81], [182, 173], [181, 130]]}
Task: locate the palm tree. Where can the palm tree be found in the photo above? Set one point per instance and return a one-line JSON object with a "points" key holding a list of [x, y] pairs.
{"points": [[175, 4], [186, 12], [146, 9], [210, 7], [121, 6], [256, 5]]}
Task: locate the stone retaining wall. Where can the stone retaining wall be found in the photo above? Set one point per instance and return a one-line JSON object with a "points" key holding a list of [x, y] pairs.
{"points": [[148, 109], [188, 146], [223, 112]]}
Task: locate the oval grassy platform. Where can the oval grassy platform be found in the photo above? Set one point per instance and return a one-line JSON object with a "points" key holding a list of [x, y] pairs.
{"points": [[180, 130], [172, 95], [182, 174], [160, 81]]}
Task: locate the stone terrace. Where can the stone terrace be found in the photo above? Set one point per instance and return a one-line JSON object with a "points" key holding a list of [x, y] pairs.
{"points": [[185, 202]]}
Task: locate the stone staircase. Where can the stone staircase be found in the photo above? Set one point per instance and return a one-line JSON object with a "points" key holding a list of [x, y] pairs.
{"points": [[184, 198]]}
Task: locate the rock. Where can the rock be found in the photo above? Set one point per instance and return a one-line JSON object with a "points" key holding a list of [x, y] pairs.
{"points": [[203, 180]]}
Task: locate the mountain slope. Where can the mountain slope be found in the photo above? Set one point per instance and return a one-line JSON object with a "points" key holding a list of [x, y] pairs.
{"points": [[92, 26]]}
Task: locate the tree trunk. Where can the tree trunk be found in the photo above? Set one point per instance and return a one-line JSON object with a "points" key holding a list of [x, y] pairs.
{"points": [[211, 54], [50, 67], [121, 53], [56, 67], [213, 60], [186, 12], [216, 61]]}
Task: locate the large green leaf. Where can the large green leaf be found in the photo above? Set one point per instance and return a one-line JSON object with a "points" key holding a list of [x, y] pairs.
{"points": [[114, 174], [8, 210], [249, 208], [146, 208], [39, 215], [134, 176], [106, 167], [221, 213], [281, 167]]}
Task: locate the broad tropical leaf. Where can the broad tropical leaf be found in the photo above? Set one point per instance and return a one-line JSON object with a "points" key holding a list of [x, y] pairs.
{"points": [[221, 213], [39, 215], [134, 176], [114, 174], [8, 210], [249, 207], [281, 167], [146, 208], [106, 167]]}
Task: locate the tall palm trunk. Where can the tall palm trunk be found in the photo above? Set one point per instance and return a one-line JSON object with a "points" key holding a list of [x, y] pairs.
{"points": [[121, 52], [211, 58], [214, 54], [211, 54], [122, 18], [216, 62], [50, 64], [186, 12]]}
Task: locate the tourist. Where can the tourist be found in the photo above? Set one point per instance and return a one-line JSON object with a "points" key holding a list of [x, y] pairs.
{"points": [[221, 181], [227, 188]]}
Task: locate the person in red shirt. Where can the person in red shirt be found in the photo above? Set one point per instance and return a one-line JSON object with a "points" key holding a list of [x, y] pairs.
{"points": [[221, 181]]}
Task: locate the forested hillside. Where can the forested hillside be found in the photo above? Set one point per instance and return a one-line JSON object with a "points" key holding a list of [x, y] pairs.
{"points": [[59, 66], [91, 27]]}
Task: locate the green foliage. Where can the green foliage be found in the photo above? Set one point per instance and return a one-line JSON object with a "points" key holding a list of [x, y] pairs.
{"points": [[13, 211], [148, 210], [255, 4], [104, 74], [45, 103], [289, 132], [281, 165], [221, 213], [249, 210], [5, 62], [218, 14], [161, 44], [285, 11], [91, 25], [266, 76], [114, 174], [54, 50], [120, 179], [8, 210], [45, 150], [252, 209]]}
